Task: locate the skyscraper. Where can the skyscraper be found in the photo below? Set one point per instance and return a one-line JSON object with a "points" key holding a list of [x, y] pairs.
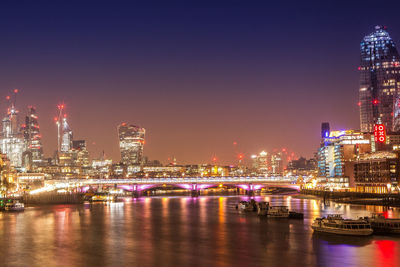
{"points": [[66, 138], [131, 142], [33, 154], [11, 139], [379, 80]]}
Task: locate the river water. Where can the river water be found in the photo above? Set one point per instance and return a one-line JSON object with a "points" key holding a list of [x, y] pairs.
{"points": [[186, 231]]}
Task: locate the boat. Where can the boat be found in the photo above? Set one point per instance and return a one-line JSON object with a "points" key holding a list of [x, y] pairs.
{"points": [[382, 225], [101, 197], [335, 224], [262, 208], [278, 212], [247, 205], [14, 206]]}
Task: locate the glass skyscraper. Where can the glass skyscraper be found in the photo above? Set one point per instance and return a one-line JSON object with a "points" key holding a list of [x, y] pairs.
{"points": [[131, 142], [379, 81], [33, 139]]}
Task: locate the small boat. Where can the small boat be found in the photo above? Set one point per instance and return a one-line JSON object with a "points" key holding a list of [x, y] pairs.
{"points": [[262, 208], [382, 225], [14, 206], [278, 212], [335, 224], [101, 197], [247, 205]]}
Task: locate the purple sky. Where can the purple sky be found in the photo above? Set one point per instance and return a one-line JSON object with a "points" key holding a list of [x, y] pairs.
{"points": [[198, 76]]}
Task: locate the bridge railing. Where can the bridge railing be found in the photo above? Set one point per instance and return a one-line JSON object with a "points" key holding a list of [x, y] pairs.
{"points": [[182, 180]]}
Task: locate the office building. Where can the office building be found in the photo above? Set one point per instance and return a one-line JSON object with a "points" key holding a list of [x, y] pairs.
{"points": [[379, 81]]}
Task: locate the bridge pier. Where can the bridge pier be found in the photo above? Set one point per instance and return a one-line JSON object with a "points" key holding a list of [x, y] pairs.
{"points": [[195, 192], [250, 191], [135, 192]]}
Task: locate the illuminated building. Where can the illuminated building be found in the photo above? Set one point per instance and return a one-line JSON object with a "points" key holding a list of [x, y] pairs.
{"points": [[379, 81], [66, 138], [82, 154], [337, 154], [131, 142], [11, 139], [302, 166], [33, 155], [276, 164], [375, 172], [260, 163], [102, 167]]}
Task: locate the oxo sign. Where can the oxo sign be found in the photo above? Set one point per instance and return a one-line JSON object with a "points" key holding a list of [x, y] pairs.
{"points": [[380, 133]]}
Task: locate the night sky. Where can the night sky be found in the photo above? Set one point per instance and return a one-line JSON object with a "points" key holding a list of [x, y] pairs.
{"points": [[197, 75]]}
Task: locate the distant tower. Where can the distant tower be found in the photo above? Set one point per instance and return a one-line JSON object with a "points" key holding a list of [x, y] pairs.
{"points": [[379, 80], [131, 142], [33, 139], [66, 141]]}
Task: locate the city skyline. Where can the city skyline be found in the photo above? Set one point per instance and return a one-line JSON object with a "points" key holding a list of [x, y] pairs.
{"points": [[204, 106]]}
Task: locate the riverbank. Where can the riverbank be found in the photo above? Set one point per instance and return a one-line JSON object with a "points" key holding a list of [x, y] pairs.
{"points": [[356, 197]]}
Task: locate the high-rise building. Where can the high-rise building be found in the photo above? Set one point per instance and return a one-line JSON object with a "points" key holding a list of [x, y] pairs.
{"points": [[82, 154], [11, 139], [379, 81], [33, 155], [131, 142], [66, 139], [276, 164], [260, 162]]}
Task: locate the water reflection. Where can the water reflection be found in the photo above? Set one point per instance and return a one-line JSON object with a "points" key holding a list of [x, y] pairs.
{"points": [[182, 231]]}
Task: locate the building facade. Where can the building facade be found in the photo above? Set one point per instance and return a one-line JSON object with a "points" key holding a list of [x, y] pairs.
{"points": [[379, 81], [377, 172], [131, 143], [337, 154], [33, 155]]}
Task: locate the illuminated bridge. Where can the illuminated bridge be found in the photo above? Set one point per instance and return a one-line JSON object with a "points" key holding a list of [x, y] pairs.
{"points": [[195, 184]]}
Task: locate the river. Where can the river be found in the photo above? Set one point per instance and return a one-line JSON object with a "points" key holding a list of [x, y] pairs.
{"points": [[186, 231]]}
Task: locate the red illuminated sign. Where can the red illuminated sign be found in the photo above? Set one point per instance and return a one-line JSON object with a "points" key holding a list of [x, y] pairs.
{"points": [[380, 133]]}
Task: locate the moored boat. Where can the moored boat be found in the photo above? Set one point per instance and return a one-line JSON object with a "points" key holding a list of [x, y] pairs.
{"points": [[336, 224], [14, 206], [247, 205], [262, 208], [278, 212], [382, 225]]}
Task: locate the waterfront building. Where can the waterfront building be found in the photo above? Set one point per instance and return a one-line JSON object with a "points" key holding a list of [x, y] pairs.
{"points": [[131, 143], [377, 172], [379, 81], [337, 154], [33, 155]]}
